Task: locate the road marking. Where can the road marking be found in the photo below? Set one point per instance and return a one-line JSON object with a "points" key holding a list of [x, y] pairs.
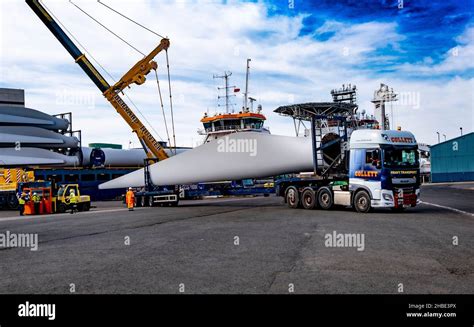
{"points": [[66, 214], [447, 183], [448, 208]]}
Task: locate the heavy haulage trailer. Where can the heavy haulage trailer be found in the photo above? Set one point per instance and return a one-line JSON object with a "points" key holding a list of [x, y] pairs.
{"points": [[352, 165], [152, 195]]}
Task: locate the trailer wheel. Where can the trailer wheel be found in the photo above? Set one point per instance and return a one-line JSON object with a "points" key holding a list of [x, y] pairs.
{"points": [[150, 201], [325, 199], [292, 197], [362, 202], [308, 199]]}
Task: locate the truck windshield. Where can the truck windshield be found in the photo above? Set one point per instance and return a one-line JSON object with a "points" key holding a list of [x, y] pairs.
{"points": [[399, 157]]}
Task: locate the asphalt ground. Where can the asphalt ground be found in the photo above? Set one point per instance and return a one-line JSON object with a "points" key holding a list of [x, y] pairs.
{"points": [[246, 245]]}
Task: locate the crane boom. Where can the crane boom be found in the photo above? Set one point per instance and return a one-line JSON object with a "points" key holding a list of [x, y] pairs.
{"points": [[135, 75]]}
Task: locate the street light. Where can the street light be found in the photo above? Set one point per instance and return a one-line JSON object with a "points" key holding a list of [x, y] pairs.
{"points": [[461, 130], [438, 136], [444, 136]]}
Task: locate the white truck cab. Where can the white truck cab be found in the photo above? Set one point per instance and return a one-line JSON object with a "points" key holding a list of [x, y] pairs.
{"points": [[382, 172], [385, 164]]}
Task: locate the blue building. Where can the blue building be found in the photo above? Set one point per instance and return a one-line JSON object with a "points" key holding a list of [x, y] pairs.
{"points": [[453, 160]]}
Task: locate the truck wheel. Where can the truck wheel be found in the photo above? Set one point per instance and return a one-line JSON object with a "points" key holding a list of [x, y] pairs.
{"points": [[150, 201], [362, 202], [292, 197], [325, 199], [308, 199], [12, 202], [62, 208]]}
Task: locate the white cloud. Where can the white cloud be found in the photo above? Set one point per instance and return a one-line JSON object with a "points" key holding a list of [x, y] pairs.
{"points": [[208, 38]]}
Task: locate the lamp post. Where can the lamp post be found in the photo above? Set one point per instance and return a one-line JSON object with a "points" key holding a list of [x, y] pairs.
{"points": [[444, 136], [461, 130], [438, 136]]}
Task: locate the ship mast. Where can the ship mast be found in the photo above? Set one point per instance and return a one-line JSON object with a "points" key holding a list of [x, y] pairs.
{"points": [[226, 88], [247, 86]]}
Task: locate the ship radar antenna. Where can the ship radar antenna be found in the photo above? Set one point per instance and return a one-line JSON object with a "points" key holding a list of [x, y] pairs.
{"points": [[226, 87]]}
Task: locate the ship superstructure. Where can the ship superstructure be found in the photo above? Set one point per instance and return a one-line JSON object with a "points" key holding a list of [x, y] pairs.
{"points": [[246, 120]]}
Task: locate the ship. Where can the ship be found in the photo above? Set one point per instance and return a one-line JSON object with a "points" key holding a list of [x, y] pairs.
{"points": [[246, 120]]}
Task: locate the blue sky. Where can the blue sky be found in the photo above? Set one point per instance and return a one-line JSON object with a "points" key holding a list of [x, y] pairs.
{"points": [[300, 51], [428, 27], [426, 24]]}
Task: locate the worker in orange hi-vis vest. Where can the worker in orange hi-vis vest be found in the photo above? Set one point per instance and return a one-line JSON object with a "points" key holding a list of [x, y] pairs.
{"points": [[130, 199]]}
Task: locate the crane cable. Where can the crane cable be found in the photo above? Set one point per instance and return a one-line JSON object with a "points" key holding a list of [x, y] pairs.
{"points": [[101, 66], [75, 39], [109, 30], [167, 61], [171, 100], [162, 107], [128, 18], [156, 75], [143, 116]]}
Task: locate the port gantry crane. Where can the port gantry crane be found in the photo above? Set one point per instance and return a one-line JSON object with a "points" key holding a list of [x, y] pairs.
{"points": [[136, 75]]}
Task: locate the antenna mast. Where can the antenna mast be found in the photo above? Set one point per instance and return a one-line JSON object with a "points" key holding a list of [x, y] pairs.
{"points": [[346, 94], [226, 88], [247, 85]]}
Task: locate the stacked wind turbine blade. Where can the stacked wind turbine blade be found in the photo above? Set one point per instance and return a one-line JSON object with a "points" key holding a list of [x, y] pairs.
{"points": [[34, 156], [117, 157], [237, 156], [28, 136], [20, 116], [31, 137]]}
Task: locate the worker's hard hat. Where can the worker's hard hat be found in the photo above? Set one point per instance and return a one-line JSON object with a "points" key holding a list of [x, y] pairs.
{"points": [[71, 191], [130, 188], [34, 193]]}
